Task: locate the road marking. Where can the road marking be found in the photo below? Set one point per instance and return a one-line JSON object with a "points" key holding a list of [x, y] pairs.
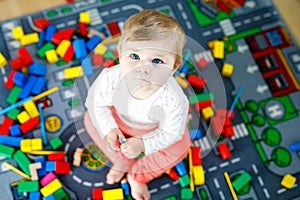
{"points": [[72, 22], [212, 169], [179, 5], [86, 82], [254, 168], [266, 15], [99, 184], [3, 71], [115, 10], [61, 25], [261, 182], [67, 147], [237, 24], [165, 186], [266, 193], [31, 24], [153, 191], [189, 25], [281, 190], [224, 164], [175, 183], [81, 131], [88, 184], [184, 16], [151, 1], [217, 30], [235, 160], [206, 33], [128, 7], [104, 13], [72, 138], [247, 21], [216, 182], [4, 79], [221, 195], [77, 179], [256, 18], [274, 12]]}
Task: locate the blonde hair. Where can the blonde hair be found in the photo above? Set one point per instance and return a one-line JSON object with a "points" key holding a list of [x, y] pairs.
{"points": [[153, 25]]}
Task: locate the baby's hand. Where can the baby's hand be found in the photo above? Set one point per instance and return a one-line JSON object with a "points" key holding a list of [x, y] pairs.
{"points": [[112, 137], [133, 147]]}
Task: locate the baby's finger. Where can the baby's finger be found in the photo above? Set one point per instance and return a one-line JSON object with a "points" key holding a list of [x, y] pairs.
{"points": [[113, 146]]}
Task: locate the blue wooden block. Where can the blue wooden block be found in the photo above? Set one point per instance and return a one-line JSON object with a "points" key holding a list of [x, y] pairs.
{"points": [[79, 47], [87, 66], [295, 146], [34, 195], [41, 39], [42, 160], [181, 169], [37, 69], [15, 130], [10, 141], [49, 33], [125, 187], [39, 86], [49, 197], [104, 31], [50, 166], [28, 87], [195, 134], [93, 42], [19, 79]]}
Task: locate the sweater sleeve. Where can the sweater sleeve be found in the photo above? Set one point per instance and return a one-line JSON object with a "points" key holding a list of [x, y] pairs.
{"points": [[171, 116], [98, 102]]}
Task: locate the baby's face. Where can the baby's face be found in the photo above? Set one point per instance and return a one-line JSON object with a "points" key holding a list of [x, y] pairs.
{"points": [[146, 66]]}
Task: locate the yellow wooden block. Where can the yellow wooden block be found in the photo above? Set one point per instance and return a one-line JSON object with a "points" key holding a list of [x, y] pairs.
{"points": [[31, 109], [36, 144], [183, 83], [198, 173], [84, 17], [207, 113], [25, 145], [288, 181], [51, 56], [113, 194], [23, 117], [63, 47], [100, 49], [3, 60], [17, 32], [52, 187], [28, 39], [73, 72], [218, 50], [227, 70]]}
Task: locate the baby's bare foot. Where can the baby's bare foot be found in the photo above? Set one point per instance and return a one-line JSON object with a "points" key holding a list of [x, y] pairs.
{"points": [[139, 191], [114, 175]]}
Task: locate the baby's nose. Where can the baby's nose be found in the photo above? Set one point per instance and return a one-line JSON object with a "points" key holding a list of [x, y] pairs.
{"points": [[145, 69]]}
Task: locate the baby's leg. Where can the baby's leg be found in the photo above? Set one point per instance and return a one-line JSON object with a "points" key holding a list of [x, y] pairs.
{"points": [[151, 166], [120, 163]]}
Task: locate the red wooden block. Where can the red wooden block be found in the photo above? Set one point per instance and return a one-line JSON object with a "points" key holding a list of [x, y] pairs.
{"points": [[83, 30], [190, 109], [196, 156], [7, 123], [62, 167], [173, 175], [114, 28], [56, 157], [203, 104], [116, 53], [223, 7], [10, 80], [17, 63], [98, 59], [69, 55], [29, 125], [67, 33], [224, 151], [196, 81], [57, 38], [227, 122], [25, 56], [228, 131], [202, 63], [42, 23], [109, 63], [97, 194]]}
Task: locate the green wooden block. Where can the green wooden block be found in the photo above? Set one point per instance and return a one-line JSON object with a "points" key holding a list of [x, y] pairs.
{"points": [[28, 186], [41, 53], [56, 142], [22, 161], [171, 198], [12, 114], [61, 194], [6, 151], [184, 180], [241, 181], [13, 95], [110, 55], [186, 193]]}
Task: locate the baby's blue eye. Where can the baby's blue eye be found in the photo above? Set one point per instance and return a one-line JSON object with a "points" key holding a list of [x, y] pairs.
{"points": [[157, 61], [134, 56]]}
